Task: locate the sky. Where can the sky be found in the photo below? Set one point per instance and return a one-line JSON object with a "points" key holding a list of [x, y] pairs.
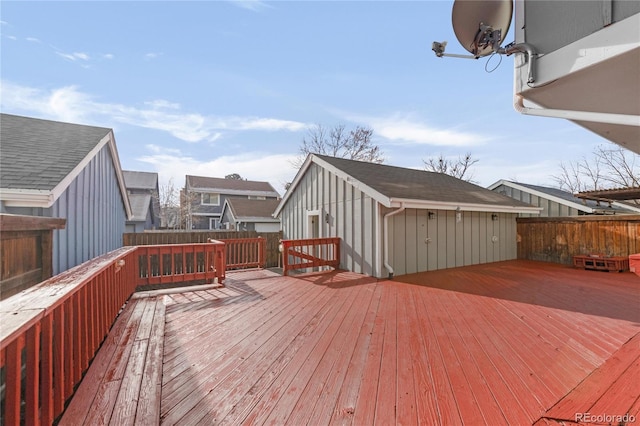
{"points": [[211, 88]]}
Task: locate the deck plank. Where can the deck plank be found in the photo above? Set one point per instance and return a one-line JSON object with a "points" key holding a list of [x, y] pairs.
{"points": [[506, 343]]}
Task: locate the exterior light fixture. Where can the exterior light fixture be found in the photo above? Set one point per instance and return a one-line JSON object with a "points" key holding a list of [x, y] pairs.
{"points": [[494, 216], [431, 215]]}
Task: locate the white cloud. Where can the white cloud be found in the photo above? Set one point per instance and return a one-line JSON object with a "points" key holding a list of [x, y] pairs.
{"points": [[70, 104], [259, 166], [406, 129], [33, 40], [108, 56], [74, 56], [152, 55]]}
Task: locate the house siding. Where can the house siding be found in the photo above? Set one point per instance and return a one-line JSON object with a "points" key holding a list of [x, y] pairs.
{"points": [[344, 211], [421, 244], [549, 208], [552, 25], [95, 213]]}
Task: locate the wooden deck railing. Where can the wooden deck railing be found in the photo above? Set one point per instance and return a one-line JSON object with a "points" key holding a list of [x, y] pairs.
{"points": [[310, 253], [49, 333], [245, 252], [173, 263]]}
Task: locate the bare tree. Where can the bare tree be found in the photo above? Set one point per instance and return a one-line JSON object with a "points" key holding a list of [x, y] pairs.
{"points": [[234, 176], [356, 144], [459, 167], [607, 168], [174, 209]]}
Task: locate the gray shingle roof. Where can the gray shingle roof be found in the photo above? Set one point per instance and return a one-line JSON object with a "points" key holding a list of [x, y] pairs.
{"points": [[38, 154], [140, 180], [411, 184], [140, 206], [235, 186], [245, 208]]}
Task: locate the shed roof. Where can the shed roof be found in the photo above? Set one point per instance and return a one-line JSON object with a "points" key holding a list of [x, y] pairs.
{"points": [[140, 180], [256, 210], [39, 154], [230, 186], [394, 186], [140, 206], [40, 158]]}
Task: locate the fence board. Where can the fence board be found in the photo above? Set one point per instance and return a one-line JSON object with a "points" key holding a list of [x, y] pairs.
{"points": [[557, 240]]}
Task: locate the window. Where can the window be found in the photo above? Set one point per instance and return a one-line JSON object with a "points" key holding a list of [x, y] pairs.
{"points": [[210, 199], [214, 223]]}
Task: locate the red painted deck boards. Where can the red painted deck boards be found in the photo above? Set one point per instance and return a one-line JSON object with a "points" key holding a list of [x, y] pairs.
{"points": [[507, 343]]}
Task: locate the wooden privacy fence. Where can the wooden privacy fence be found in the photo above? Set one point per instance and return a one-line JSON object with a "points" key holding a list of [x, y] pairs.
{"points": [[27, 248], [50, 333], [271, 241], [310, 253], [559, 239]]}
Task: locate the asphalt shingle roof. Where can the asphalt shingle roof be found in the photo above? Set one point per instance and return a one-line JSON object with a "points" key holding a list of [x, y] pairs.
{"points": [[38, 154], [140, 180], [243, 207], [411, 184], [222, 184]]}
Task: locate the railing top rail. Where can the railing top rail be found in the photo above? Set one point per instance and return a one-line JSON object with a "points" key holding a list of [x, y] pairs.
{"points": [[211, 242], [311, 241], [19, 313]]}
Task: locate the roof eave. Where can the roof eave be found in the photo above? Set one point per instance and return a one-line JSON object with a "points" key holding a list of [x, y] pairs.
{"points": [[445, 205], [27, 197]]}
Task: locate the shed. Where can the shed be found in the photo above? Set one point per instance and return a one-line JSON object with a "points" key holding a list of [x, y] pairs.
{"points": [[63, 170], [242, 214], [558, 203], [394, 220]]}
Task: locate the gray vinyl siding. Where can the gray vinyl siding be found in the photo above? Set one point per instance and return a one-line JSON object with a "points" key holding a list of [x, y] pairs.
{"points": [[95, 213], [344, 211], [552, 25], [421, 244]]}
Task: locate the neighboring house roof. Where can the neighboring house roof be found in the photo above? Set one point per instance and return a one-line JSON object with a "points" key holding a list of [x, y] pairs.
{"points": [[140, 180], [140, 206], [567, 198], [230, 186], [40, 158], [245, 210], [397, 186]]}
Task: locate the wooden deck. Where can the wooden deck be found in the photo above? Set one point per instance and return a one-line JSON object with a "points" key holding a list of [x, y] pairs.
{"points": [[514, 342]]}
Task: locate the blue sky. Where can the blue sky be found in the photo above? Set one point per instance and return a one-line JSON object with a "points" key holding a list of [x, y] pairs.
{"points": [[211, 88]]}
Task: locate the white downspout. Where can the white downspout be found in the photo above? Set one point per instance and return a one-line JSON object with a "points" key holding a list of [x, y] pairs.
{"points": [[385, 231], [598, 117]]}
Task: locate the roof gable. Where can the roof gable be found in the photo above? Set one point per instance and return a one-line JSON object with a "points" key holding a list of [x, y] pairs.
{"points": [[563, 197], [38, 154], [140, 180], [39, 158], [230, 186], [244, 208], [395, 186]]}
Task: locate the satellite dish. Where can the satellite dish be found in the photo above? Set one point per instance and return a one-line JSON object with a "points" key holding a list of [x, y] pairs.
{"points": [[481, 25]]}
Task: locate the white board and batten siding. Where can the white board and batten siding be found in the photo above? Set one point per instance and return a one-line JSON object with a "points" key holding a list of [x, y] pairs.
{"points": [[95, 213], [421, 244], [341, 210]]}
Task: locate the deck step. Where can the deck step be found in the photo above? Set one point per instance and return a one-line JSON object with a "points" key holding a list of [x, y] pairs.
{"points": [[609, 393]]}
